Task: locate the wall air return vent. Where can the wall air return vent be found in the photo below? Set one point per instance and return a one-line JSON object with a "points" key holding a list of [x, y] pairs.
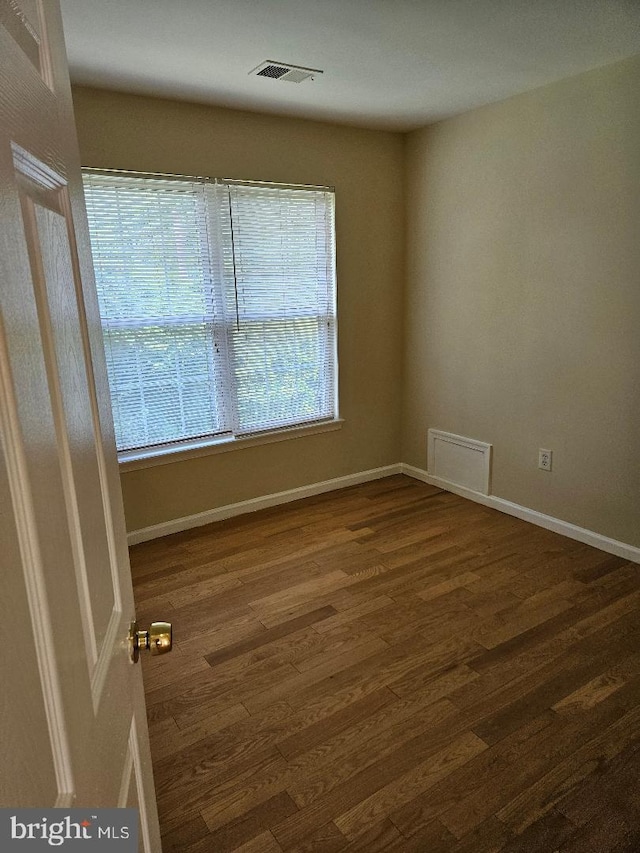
{"points": [[284, 71], [459, 461]]}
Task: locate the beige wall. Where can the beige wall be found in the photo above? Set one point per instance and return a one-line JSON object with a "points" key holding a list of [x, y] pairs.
{"points": [[521, 303], [523, 294], [129, 132]]}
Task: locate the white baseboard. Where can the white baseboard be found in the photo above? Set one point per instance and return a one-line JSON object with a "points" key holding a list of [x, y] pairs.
{"points": [[572, 531], [176, 525]]}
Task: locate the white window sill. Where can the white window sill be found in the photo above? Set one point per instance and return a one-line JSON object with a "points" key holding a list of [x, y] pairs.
{"points": [[132, 460]]}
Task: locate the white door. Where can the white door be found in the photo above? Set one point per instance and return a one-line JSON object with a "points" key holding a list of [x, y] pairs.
{"points": [[72, 721]]}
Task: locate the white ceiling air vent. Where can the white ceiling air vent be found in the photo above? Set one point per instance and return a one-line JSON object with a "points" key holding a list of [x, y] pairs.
{"points": [[284, 71]]}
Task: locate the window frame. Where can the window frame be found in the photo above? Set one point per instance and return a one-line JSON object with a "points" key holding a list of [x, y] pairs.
{"points": [[162, 453]]}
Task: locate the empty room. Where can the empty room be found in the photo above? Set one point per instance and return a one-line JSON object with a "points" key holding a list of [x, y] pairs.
{"points": [[319, 393]]}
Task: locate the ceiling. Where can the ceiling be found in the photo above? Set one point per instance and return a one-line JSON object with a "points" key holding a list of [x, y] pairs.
{"points": [[396, 64]]}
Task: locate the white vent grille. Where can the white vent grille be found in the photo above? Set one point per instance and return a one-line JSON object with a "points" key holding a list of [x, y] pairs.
{"points": [[274, 71], [283, 71], [459, 461]]}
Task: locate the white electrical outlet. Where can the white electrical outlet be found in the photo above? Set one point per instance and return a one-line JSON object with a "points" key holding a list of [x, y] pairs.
{"points": [[544, 459]]}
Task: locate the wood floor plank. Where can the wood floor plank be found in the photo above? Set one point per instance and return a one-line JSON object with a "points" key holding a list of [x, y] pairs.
{"points": [[389, 666], [541, 797], [188, 833], [377, 838], [613, 789], [210, 698], [368, 606], [168, 738], [326, 728], [327, 839], [252, 824], [525, 615], [412, 783], [373, 739], [177, 665], [590, 694], [221, 801], [492, 836], [438, 589], [300, 593], [553, 746], [392, 668], [192, 691], [559, 685], [219, 634], [437, 684], [269, 635], [328, 645], [518, 673], [485, 769], [293, 686], [264, 843], [340, 599], [359, 786], [548, 833]]}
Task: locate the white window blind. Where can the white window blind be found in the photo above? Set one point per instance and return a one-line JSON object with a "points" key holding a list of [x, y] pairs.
{"points": [[217, 303]]}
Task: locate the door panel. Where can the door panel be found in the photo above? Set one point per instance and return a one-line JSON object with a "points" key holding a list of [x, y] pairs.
{"points": [[34, 492], [22, 23], [28, 760], [99, 593]]}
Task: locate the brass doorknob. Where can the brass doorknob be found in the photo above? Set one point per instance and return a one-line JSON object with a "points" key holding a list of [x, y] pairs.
{"points": [[158, 639]]}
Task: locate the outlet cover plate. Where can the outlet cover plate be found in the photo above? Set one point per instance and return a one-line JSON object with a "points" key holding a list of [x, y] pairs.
{"points": [[545, 458]]}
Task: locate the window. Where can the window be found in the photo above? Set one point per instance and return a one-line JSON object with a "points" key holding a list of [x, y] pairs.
{"points": [[217, 302]]}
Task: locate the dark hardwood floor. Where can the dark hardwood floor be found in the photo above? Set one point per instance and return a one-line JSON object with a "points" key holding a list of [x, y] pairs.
{"points": [[392, 668]]}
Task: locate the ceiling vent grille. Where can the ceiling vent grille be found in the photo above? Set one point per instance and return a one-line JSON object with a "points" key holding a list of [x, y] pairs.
{"points": [[283, 71]]}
